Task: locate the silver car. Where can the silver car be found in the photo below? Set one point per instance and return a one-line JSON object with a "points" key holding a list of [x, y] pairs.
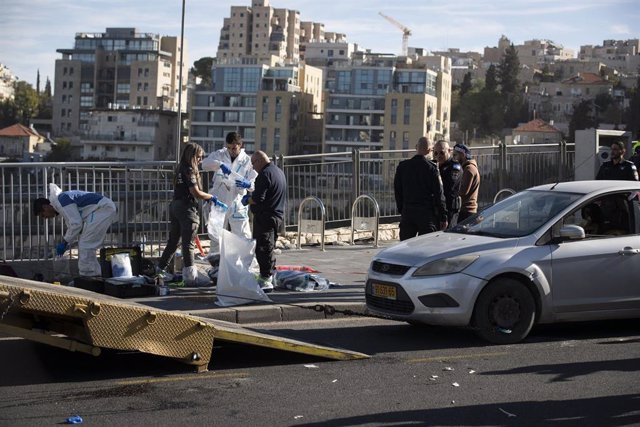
{"points": [[553, 253]]}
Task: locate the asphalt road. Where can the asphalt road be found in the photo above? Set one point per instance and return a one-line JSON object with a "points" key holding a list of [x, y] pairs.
{"points": [[576, 374]]}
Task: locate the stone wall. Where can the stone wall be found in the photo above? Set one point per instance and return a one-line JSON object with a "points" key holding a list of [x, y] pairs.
{"points": [[337, 236]]}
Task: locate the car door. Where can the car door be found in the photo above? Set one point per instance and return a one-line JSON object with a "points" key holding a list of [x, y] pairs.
{"points": [[602, 271]]}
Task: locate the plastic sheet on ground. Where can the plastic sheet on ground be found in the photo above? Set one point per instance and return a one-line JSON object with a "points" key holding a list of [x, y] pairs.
{"points": [[300, 281], [237, 282]]}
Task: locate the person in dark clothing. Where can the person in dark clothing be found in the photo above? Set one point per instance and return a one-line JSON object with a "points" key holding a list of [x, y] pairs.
{"points": [[419, 194], [183, 212], [267, 205], [450, 172], [618, 168]]}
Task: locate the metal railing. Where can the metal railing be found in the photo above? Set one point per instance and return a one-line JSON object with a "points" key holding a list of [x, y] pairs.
{"points": [[142, 190]]}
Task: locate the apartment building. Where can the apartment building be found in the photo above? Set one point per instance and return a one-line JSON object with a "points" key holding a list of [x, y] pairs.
{"points": [[273, 106], [385, 104], [129, 134], [554, 101], [262, 31], [120, 68], [621, 55], [289, 87]]}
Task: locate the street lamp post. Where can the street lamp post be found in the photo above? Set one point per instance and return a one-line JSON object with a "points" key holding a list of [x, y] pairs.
{"points": [[179, 126]]}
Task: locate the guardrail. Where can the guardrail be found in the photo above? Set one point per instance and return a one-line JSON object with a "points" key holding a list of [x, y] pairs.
{"points": [[142, 190]]}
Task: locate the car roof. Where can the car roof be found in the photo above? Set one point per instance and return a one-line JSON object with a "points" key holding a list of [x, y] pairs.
{"points": [[586, 187]]}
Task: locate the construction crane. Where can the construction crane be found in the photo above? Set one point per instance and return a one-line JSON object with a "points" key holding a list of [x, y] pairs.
{"points": [[405, 33]]}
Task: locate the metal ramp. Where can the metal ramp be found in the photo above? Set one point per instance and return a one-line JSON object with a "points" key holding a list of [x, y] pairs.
{"points": [[80, 320]]}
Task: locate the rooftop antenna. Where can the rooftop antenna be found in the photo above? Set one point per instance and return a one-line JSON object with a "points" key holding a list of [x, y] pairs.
{"points": [[406, 32]]}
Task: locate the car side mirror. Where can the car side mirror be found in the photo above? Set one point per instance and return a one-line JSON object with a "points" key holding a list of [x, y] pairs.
{"points": [[571, 232]]}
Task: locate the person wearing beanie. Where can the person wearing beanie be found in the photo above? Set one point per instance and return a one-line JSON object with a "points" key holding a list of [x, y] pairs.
{"points": [[469, 183]]}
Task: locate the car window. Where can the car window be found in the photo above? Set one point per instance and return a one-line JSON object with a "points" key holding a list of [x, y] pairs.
{"points": [[518, 215], [606, 216]]}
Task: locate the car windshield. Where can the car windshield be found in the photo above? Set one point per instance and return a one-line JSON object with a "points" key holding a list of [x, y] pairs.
{"points": [[517, 216]]}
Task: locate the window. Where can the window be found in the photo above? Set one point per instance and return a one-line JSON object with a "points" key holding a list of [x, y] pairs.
{"points": [[405, 140], [407, 111], [606, 216], [276, 141], [392, 140], [394, 111]]}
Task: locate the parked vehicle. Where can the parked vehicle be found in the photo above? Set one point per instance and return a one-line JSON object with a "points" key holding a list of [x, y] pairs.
{"points": [[559, 252]]}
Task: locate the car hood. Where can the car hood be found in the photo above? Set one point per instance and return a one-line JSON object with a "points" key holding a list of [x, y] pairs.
{"points": [[438, 245]]}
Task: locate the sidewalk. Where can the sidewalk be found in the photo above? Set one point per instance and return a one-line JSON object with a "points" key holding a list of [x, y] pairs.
{"points": [[345, 265]]}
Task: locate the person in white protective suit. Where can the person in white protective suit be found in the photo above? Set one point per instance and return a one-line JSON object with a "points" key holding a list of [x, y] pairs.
{"points": [[234, 177], [87, 216]]}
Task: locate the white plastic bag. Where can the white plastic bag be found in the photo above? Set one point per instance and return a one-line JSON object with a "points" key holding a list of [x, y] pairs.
{"points": [[121, 265], [237, 282], [215, 224]]}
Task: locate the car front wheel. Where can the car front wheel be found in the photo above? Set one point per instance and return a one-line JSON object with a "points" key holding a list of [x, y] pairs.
{"points": [[505, 312]]}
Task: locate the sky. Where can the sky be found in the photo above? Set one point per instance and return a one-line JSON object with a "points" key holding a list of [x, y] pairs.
{"points": [[32, 30]]}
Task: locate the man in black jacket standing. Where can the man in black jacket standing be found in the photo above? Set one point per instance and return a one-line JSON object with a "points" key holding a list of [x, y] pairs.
{"points": [[419, 194], [618, 168], [267, 205]]}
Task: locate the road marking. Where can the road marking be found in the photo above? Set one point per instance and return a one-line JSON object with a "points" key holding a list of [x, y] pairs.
{"points": [[202, 376], [462, 356]]}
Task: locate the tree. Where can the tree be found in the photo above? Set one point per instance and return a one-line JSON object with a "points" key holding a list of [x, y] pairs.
{"points": [[202, 68], [26, 101], [515, 108], [45, 102], [490, 79], [8, 113], [582, 118], [632, 116], [466, 85], [60, 152], [508, 71]]}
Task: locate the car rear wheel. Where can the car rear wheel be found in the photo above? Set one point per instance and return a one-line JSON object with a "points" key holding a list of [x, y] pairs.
{"points": [[505, 312]]}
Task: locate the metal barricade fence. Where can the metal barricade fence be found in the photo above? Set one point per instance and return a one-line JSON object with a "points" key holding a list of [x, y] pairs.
{"points": [[142, 191]]}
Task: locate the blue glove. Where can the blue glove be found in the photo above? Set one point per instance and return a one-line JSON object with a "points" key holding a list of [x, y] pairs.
{"points": [[61, 248], [245, 199], [225, 169], [242, 183], [214, 201]]}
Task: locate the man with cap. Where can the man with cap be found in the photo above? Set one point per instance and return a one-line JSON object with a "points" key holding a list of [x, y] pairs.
{"points": [[618, 168], [469, 182], [419, 194]]}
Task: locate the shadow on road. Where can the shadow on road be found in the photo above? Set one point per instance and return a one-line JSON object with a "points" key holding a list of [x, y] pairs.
{"points": [[621, 410]]}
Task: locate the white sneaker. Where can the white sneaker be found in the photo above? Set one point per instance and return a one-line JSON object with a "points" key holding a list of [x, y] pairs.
{"points": [[166, 276], [265, 283]]}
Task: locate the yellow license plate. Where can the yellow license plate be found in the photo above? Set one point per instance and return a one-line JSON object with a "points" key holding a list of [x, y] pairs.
{"points": [[383, 291]]}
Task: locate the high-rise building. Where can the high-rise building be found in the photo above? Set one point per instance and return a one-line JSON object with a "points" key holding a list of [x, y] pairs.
{"points": [[270, 105], [384, 103], [120, 68], [289, 87]]}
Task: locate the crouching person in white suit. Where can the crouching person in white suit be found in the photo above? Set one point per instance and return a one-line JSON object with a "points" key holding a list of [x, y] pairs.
{"points": [[87, 216], [234, 177]]}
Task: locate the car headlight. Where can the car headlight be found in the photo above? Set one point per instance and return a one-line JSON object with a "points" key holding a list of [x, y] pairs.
{"points": [[445, 266]]}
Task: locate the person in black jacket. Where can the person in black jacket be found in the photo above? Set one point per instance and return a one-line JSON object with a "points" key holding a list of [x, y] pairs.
{"points": [[267, 205], [618, 168], [419, 194], [450, 172]]}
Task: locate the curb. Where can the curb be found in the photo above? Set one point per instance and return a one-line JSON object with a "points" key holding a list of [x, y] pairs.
{"points": [[278, 312]]}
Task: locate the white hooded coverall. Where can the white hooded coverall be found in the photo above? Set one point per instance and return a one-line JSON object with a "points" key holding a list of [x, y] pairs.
{"points": [[224, 188], [87, 216]]}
